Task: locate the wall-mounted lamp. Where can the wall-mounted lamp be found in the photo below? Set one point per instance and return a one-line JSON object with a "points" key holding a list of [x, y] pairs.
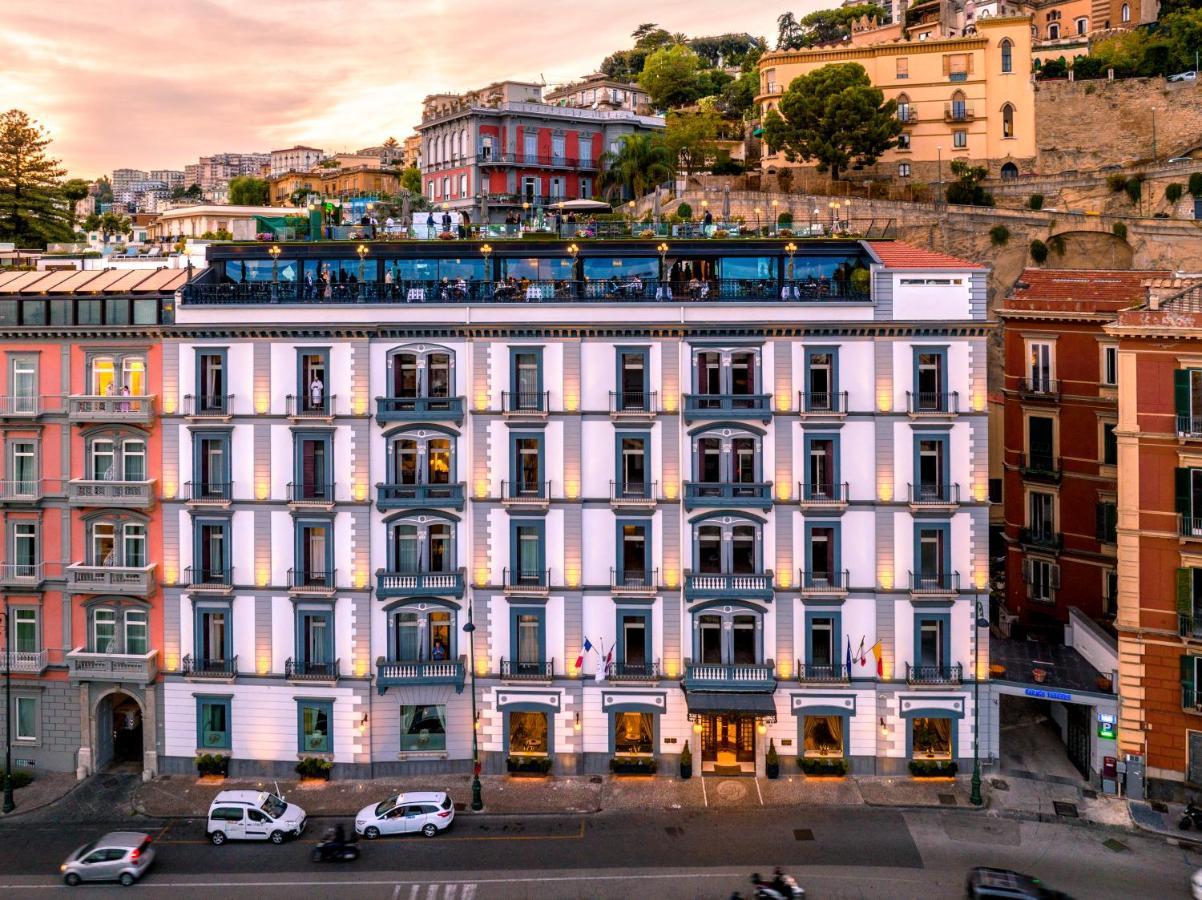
{"points": [[477, 722], [760, 727], [576, 723], [696, 728], [884, 727], [363, 724]]}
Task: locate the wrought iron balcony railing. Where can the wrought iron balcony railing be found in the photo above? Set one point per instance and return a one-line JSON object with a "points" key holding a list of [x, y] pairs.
{"points": [[515, 670]]}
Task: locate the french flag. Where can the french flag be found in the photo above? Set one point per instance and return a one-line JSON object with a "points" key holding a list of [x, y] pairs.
{"points": [[580, 659]]}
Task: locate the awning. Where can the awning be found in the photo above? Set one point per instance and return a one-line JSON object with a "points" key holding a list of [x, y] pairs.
{"points": [[711, 703]]}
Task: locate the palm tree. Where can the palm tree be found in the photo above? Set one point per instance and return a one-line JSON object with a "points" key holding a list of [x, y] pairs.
{"points": [[642, 162]]}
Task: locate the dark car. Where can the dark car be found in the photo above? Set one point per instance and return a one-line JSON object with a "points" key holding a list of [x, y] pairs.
{"points": [[996, 883]]}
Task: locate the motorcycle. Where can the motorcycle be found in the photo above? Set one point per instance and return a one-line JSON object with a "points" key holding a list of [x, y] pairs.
{"points": [[1191, 818], [334, 850], [781, 887]]}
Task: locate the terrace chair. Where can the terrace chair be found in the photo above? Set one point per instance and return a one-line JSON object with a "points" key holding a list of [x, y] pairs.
{"points": [[416, 295], [534, 292], [663, 292]]}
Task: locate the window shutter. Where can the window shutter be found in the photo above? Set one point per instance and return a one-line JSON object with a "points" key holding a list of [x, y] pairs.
{"points": [[1181, 477], [1181, 392], [947, 65], [1026, 571], [1187, 672], [968, 63], [1185, 591], [1055, 579], [1100, 521]]}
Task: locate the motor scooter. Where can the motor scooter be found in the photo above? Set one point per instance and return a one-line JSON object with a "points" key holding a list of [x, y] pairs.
{"points": [[781, 887], [335, 849], [1191, 818]]}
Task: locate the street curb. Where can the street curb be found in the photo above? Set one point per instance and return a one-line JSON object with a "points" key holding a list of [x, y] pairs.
{"points": [[19, 812]]}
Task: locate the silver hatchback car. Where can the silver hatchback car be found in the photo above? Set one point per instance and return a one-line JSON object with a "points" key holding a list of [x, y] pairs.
{"points": [[122, 856]]}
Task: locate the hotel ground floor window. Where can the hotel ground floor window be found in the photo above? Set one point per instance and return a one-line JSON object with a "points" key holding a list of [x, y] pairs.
{"points": [[932, 738], [213, 723], [315, 718], [822, 736], [25, 713], [528, 734], [423, 728], [634, 734]]}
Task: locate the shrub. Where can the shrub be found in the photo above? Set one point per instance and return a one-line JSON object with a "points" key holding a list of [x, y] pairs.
{"points": [[684, 211], [314, 767], [220, 234], [933, 768], [21, 778], [633, 765], [1035, 201], [859, 280], [647, 233], [785, 220], [1039, 251], [1195, 184], [999, 235], [1173, 192], [686, 762], [212, 764], [1056, 244], [785, 232], [537, 764], [820, 766], [1134, 188], [1116, 181], [1120, 230]]}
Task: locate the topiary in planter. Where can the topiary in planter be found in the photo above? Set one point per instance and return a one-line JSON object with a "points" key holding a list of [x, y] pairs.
{"points": [[212, 764], [686, 762], [633, 765], [528, 765], [834, 767], [314, 767], [933, 768], [685, 212], [772, 761]]}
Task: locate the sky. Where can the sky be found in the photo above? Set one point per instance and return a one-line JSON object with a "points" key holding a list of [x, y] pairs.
{"points": [[123, 84]]}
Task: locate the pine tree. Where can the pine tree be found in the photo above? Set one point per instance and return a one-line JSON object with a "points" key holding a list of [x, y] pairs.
{"points": [[32, 208]]}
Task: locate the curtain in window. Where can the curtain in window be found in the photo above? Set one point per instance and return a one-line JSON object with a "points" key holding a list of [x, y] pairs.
{"points": [[528, 648], [933, 738], [633, 733], [134, 457], [823, 735], [423, 727], [213, 726], [408, 558], [407, 637]]}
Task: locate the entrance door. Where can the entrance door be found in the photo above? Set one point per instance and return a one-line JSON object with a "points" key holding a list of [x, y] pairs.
{"points": [[728, 739], [1077, 737]]}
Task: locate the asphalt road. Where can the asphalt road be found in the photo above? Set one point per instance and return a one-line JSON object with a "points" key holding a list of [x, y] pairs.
{"points": [[834, 852]]}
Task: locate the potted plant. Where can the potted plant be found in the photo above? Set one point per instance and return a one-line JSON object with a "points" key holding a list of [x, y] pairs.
{"points": [[1040, 675], [686, 762], [314, 768], [528, 765], [212, 766], [1105, 683], [772, 761]]}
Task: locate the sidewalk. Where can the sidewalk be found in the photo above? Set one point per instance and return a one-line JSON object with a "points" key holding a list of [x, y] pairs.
{"points": [[1162, 819], [46, 788]]}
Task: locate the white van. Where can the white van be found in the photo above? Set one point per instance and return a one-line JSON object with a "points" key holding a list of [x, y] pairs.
{"points": [[253, 816]]}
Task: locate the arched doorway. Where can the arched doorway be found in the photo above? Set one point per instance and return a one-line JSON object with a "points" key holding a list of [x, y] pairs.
{"points": [[119, 732], [1009, 171]]}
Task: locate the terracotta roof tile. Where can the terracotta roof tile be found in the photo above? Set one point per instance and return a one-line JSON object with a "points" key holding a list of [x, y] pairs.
{"points": [[1104, 289], [899, 255]]}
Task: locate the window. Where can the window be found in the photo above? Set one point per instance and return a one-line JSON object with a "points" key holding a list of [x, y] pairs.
{"points": [[903, 67], [314, 554], [1042, 577], [1007, 50], [633, 466], [25, 630], [822, 645], [104, 631], [24, 551], [213, 723], [905, 110], [1125, 13], [1110, 592], [1082, 26], [417, 634], [634, 641], [932, 642], [584, 149], [1041, 516], [422, 546], [1041, 443], [633, 380], [930, 379], [527, 639], [822, 556], [314, 468], [314, 718], [1107, 521], [526, 380], [1110, 364], [728, 638], [822, 736], [313, 381], [732, 547], [528, 554], [903, 142], [117, 375], [211, 466], [137, 632], [315, 641], [931, 737], [634, 553], [23, 468], [960, 139], [423, 728], [1110, 445], [931, 553], [822, 469], [446, 187], [528, 734], [214, 639], [462, 185], [822, 382], [957, 66], [931, 468], [733, 372], [634, 734], [120, 629], [211, 382], [526, 466], [959, 107], [1007, 121], [25, 714], [530, 147], [418, 460], [730, 457], [1053, 31], [903, 169], [1187, 396]]}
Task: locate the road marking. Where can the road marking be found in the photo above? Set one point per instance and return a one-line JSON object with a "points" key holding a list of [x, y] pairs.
{"points": [[413, 893], [757, 790], [469, 892], [450, 892], [704, 796], [396, 893], [432, 893]]}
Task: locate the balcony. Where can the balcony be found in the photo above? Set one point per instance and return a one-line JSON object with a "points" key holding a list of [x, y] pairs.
{"points": [[1190, 527], [537, 160], [130, 581], [927, 405], [1189, 427], [822, 496], [209, 580], [935, 585], [1190, 701], [22, 575], [419, 409], [124, 494], [823, 584], [633, 404], [534, 582], [633, 495], [825, 405], [82, 408], [812, 674], [210, 669], [138, 668], [735, 676], [304, 670], [634, 671], [303, 409], [319, 495], [25, 662], [933, 675], [531, 494], [214, 407], [312, 582], [628, 584], [1041, 539], [419, 584], [728, 406], [933, 496], [420, 673], [1189, 627], [405, 496], [526, 404], [957, 112], [209, 493], [512, 670], [734, 494], [20, 407], [25, 492], [715, 586], [1040, 465], [1040, 389]]}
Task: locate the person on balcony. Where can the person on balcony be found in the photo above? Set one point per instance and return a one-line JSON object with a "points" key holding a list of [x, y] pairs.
{"points": [[438, 651], [316, 393]]}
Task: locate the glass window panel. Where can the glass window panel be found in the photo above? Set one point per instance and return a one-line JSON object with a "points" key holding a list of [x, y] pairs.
{"points": [[747, 267], [423, 728], [528, 733], [604, 268], [315, 729], [823, 735], [634, 733], [743, 640]]}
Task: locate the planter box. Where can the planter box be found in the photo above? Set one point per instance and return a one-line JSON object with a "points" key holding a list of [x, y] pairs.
{"points": [[528, 765], [933, 768], [632, 766], [822, 768]]}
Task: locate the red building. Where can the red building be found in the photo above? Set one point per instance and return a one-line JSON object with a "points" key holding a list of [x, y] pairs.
{"points": [[1060, 450]]}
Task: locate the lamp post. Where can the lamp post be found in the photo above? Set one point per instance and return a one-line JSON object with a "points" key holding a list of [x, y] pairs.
{"points": [[974, 797], [758, 212], [9, 803], [486, 252], [572, 251], [847, 215], [275, 257], [477, 799], [834, 208], [526, 212], [775, 216], [362, 250], [662, 249], [790, 248]]}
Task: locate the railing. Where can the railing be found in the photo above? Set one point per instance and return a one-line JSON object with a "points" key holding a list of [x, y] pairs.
{"points": [[419, 584], [132, 494], [209, 668], [22, 574], [526, 579], [648, 671], [1189, 626], [748, 585], [819, 403], [953, 112], [304, 408], [633, 403], [835, 582], [633, 493], [525, 491], [208, 405], [26, 490], [136, 580], [399, 496], [907, 116], [201, 578], [546, 160], [305, 670], [728, 493], [209, 491], [623, 582], [407, 409], [833, 674], [402, 672], [513, 670], [937, 583], [1040, 387], [316, 494], [1044, 538], [933, 674], [110, 408], [1043, 465], [924, 403], [734, 675], [20, 406], [1190, 699], [1189, 426], [140, 668], [708, 406], [313, 581], [1190, 526], [934, 494], [29, 662], [525, 402], [822, 494]]}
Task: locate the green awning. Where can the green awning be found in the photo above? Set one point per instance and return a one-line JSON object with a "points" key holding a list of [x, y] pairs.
{"points": [[711, 703]]}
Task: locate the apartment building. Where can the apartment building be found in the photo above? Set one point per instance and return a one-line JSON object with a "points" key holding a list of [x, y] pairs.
{"points": [[599, 91], [295, 159], [778, 456]]}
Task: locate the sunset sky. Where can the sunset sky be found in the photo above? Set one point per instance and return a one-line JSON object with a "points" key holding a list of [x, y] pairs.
{"points": [[146, 85]]}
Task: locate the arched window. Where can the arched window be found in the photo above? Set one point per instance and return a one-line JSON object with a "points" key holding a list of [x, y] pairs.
{"points": [[1009, 171], [1125, 13], [905, 111], [727, 468], [421, 470], [421, 631], [1082, 26], [728, 545], [728, 635], [1007, 121], [421, 378], [112, 456], [1007, 49], [1053, 31], [118, 625], [420, 545], [729, 372], [116, 541], [959, 107]]}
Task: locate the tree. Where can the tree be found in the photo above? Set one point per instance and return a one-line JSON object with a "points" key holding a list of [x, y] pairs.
{"points": [[411, 179], [670, 77], [191, 192], [91, 223], [966, 189], [246, 190], [113, 223], [689, 137], [738, 97], [835, 116], [642, 162], [32, 207], [824, 26], [74, 190], [104, 190], [721, 50]]}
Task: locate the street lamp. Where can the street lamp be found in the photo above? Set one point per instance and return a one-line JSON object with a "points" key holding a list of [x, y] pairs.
{"points": [[834, 208], [477, 799], [526, 212], [9, 803], [758, 212], [362, 250], [662, 249], [975, 796], [275, 256], [775, 217], [790, 248], [847, 215]]}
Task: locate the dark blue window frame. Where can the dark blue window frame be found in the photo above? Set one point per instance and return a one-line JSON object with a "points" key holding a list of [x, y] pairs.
{"points": [[836, 462], [837, 540], [943, 438], [226, 743], [199, 523], [326, 706], [514, 467], [298, 548], [810, 353], [623, 613], [945, 640], [927, 525], [302, 394], [199, 609], [199, 395], [540, 527], [541, 613], [203, 486], [619, 479], [619, 556], [514, 353], [837, 657]]}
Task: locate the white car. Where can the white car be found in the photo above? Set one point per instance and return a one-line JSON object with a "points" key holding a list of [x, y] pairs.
{"points": [[1184, 76], [428, 812], [253, 816], [1195, 884]]}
